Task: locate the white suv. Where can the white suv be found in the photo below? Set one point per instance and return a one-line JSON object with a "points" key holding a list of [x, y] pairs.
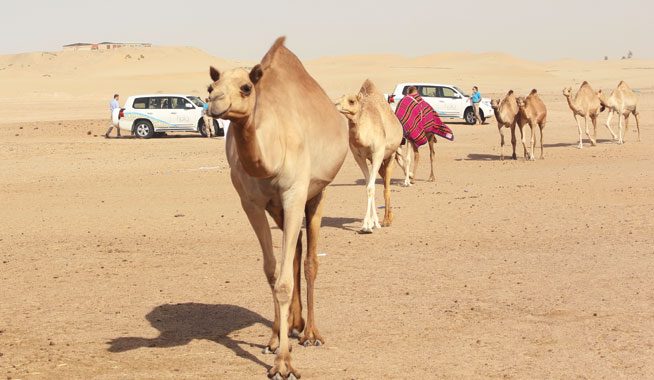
{"points": [[447, 100], [147, 115]]}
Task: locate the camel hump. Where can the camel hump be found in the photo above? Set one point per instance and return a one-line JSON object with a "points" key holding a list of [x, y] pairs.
{"points": [[368, 87], [273, 52], [509, 93], [585, 83], [533, 92]]}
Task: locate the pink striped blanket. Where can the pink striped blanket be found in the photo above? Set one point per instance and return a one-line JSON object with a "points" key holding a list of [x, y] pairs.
{"points": [[418, 119]]}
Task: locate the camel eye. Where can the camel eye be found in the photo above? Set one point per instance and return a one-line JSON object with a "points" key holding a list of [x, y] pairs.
{"points": [[351, 102], [246, 89]]}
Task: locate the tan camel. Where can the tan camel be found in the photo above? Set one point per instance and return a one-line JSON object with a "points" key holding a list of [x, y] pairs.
{"points": [[622, 102], [587, 105], [507, 114], [534, 113], [375, 136], [286, 143]]}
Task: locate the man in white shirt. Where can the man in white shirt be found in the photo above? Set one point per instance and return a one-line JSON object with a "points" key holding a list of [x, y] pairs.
{"points": [[114, 104]]}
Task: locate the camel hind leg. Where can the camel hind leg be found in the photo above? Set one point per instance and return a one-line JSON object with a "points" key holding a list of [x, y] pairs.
{"points": [[432, 156], [385, 172], [416, 158], [637, 117], [499, 128], [608, 125], [541, 126], [313, 214]]}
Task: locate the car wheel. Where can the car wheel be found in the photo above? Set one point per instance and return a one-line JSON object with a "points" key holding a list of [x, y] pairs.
{"points": [[202, 128], [469, 116], [218, 131], [144, 129]]}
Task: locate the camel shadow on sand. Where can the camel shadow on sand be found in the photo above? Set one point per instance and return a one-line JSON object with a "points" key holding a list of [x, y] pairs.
{"points": [[362, 182], [179, 324]]}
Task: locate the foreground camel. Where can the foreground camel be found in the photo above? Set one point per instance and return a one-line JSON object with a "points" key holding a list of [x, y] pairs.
{"points": [[622, 102], [286, 143], [587, 105], [507, 114], [534, 113], [375, 136]]}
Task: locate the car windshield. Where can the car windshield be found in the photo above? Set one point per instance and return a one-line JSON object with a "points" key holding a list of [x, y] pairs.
{"points": [[461, 91], [197, 101]]}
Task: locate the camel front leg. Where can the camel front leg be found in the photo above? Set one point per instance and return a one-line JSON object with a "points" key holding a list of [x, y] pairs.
{"points": [[499, 128], [361, 161], [432, 156], [407, 163], [593, 141], [377, 161], [257, 217], [313, 214], [295, 321], [524, 143], [580, 146], [385, 172], [416, 158], [608, 125], [513, 141], [637, 117], [293, 203], [533, 140]]}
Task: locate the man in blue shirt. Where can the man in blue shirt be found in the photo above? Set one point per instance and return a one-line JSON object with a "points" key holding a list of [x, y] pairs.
{"points": [[114, 104], [476, 98]]}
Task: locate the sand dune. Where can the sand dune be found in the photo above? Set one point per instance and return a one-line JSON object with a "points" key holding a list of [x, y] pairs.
{"points": [[52, 82]]}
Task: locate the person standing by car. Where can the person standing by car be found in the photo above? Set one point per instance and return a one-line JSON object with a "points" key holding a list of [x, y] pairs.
{"points": [[476, 98], [208, 121], [114, 104]]}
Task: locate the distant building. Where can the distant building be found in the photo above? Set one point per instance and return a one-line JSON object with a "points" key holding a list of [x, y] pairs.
{"points": [[80, 46]]}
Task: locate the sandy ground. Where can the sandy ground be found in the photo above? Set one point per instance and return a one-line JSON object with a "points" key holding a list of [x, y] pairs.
{"points": [[132, 259]]}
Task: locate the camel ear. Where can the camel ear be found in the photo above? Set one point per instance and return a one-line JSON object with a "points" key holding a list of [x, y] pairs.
{"points": [[359, 96], [256, 73], [214, 73]]}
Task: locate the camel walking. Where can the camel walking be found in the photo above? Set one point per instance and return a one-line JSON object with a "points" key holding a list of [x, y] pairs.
{"points": [[375, 136], [409, 165], [534, 113], [286, 143], [622, 102], [586, 104], [507, 114]]}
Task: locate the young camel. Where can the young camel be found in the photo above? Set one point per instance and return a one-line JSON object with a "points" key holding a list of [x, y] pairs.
{"points": [[375, 136], [534, 113], [507, 114], [587, 105], [405, 163], [286, 143], [622, 102]]}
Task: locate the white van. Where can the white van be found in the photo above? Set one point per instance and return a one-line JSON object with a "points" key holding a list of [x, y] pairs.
{"points": [[147, 115]]}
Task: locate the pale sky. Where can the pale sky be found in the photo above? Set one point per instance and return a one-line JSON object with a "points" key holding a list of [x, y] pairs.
{"points": [[245, 29]]}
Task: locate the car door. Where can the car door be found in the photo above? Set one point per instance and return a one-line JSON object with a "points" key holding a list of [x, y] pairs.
{"points": [[157, 112], [181, 111], [452, 102]]}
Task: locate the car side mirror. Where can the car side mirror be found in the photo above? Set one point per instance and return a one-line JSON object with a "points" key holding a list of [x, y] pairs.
{"points": [[189, 105]]}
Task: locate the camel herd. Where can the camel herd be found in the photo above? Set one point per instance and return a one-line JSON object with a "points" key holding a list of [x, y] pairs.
{"points": [[283, 154]]}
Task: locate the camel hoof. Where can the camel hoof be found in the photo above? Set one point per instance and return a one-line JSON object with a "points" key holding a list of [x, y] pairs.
{"points": [[367, 230], [295, 333], [309, 343], [514, 157], [278, 376], [267, 351]]}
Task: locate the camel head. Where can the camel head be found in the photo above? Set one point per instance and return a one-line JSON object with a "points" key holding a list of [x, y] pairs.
{"points": [[495, 103], [232, 95], [349, 105], [521, 101], [567, 92]]}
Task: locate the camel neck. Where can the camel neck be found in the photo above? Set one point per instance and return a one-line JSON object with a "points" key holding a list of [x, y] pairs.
{"points": [[251, 153], [571, 103]]}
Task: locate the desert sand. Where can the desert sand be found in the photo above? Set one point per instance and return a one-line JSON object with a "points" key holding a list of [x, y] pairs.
{"points": [[132, 259]]}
